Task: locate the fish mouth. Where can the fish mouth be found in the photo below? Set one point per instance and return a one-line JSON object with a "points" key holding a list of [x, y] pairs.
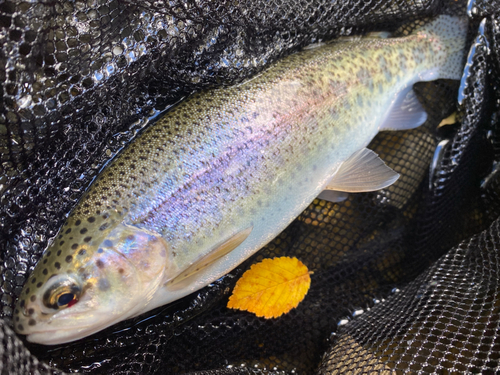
{"points": [[54, 335], [59, 335]]}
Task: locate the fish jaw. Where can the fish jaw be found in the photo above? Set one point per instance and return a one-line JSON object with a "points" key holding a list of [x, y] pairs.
{"points": [[70, 327], [114, 279]]}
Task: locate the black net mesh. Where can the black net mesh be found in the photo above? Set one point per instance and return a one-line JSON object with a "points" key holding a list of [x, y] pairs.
{"points": [[81, 78]]}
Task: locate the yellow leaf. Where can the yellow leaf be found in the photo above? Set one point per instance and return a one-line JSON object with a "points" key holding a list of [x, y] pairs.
{"points": [[450, 120], [271, 288]]}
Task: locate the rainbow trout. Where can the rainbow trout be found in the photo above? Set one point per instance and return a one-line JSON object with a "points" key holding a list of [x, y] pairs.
{"points": [[224, 172]]}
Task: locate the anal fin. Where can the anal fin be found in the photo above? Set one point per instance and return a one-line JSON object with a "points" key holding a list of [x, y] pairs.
{"points": [[212, 256], [363, 171]]}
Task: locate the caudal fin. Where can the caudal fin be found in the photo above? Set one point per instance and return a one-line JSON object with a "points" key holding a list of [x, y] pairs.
{"points": [[449, 36]]}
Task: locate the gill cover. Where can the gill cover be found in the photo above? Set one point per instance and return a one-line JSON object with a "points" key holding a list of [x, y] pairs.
{"points": [[115, 280]]}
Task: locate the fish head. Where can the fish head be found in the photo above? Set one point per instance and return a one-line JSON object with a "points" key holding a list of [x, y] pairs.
{"points": [[82, 287]]}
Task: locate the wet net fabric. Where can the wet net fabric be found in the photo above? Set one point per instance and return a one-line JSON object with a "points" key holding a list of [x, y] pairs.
{"points": [[405, 279]]}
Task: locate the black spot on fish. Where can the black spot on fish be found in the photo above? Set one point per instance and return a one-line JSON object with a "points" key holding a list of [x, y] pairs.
{"points": [[74, 246], [82, 252], [91, 219], [57, 265], [49, 253], [68, 231], [131, 237], [21, 304], [59, 252], [69, 259], [108, 243], [32, 322], [105, 216], [31, 311], [33, 298], [78, 222], [99, 263], [45, 271], [20, 327], [16, 311], [45, 261], [39, 285], [83, 230], [121, 271], [61, 243], [87, 239], [33, 280], [17, 318]]}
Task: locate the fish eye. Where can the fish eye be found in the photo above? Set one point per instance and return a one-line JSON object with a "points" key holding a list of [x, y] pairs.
{"points": [[62, 295], [65, 299]]}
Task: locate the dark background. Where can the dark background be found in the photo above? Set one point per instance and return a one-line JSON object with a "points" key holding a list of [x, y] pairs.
{"points": [[404, 279]]}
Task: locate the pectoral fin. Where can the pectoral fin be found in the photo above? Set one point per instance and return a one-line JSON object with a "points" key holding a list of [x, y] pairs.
{"points": [[363, 171], [213, 255], [406, 112], [333, 196]]}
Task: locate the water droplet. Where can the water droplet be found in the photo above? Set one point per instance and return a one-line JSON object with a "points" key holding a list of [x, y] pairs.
{"points": [[98, 76], [24, 102], [118, 50]]}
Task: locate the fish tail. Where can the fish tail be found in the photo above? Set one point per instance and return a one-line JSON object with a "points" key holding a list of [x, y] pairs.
{"points": [[448, 35]]}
